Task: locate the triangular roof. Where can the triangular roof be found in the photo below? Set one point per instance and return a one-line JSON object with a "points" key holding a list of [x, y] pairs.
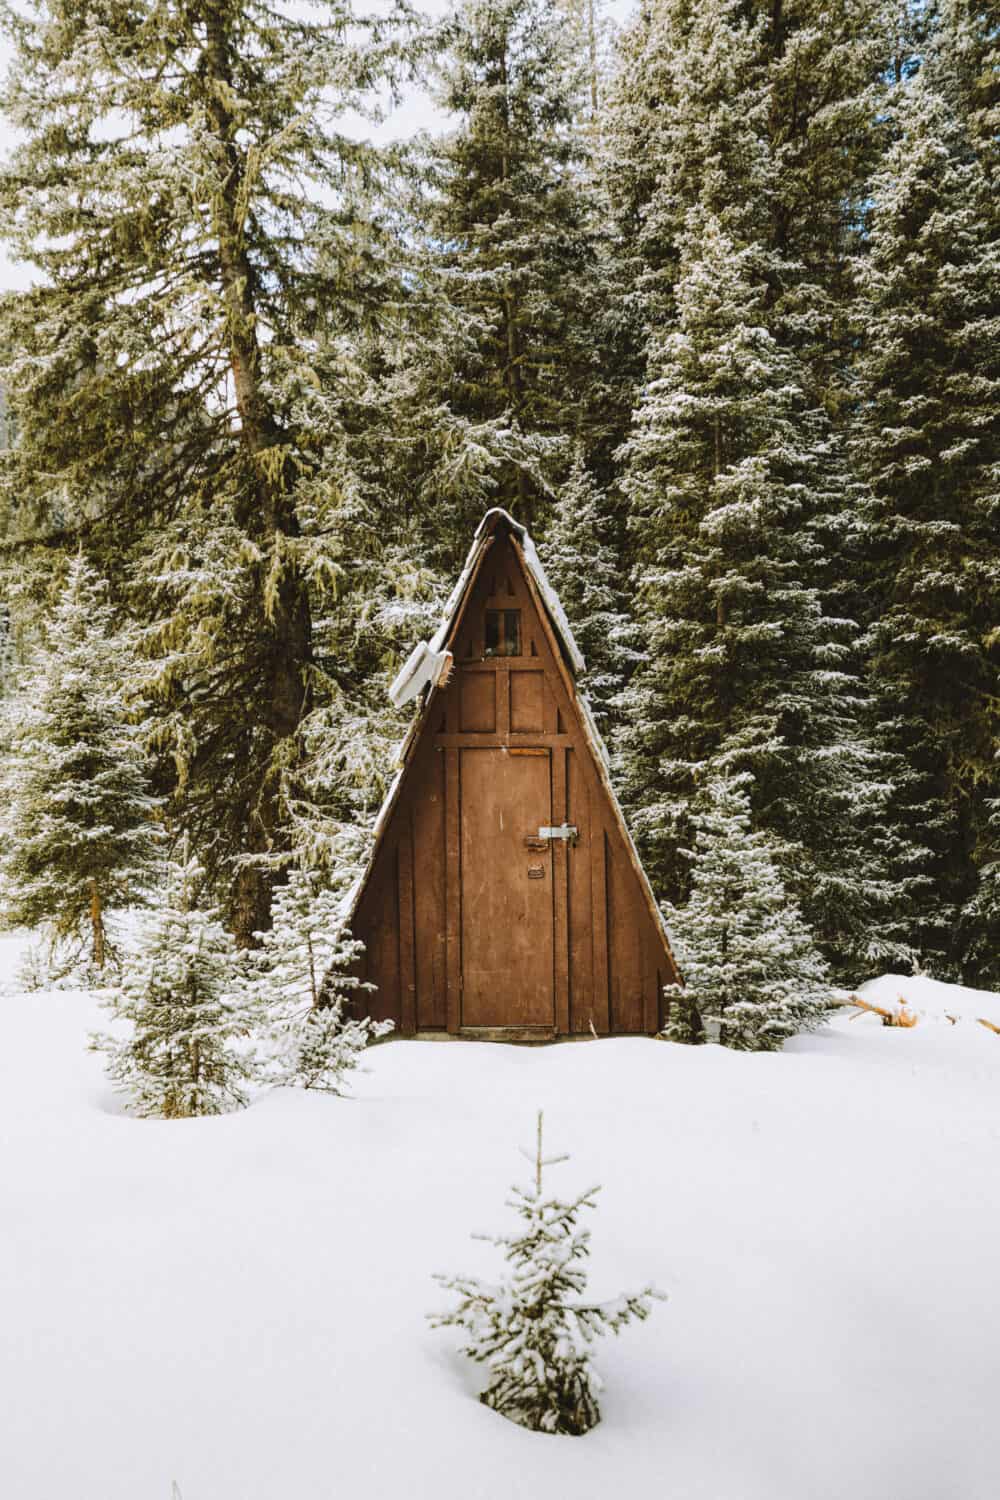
{"points": [[533, 565], [439, 645]]}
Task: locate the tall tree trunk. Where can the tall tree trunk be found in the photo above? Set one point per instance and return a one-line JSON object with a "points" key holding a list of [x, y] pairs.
{"points": [[592, 60], [97, 940], [512, 377], [269, 514]]}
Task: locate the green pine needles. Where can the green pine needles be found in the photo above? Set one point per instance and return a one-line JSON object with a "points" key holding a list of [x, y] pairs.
{"points": [[201, 1022], [753, 976], [299, 983], [207, 243], [185, 1047], [80, 831], [531, 1330]]}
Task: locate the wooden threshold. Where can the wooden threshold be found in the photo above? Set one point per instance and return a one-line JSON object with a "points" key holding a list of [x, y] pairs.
{"points": [[508, 1033], [496, 1034]]}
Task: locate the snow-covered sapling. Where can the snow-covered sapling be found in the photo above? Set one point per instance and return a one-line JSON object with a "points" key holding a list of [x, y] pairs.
{"points": [[750, 965], [325, 1047], [79, 833], [299, 986], [183, 1055], [529, 1329]]}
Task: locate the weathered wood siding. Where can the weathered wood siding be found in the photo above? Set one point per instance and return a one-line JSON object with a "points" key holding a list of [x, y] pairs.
{"points": [[472, 925]]}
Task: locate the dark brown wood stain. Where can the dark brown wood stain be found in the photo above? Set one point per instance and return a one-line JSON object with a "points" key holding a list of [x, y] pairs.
{"points": [[471, 922]]}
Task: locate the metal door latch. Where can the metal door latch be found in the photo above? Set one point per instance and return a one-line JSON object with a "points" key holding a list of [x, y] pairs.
{"points": [[567, 831]]}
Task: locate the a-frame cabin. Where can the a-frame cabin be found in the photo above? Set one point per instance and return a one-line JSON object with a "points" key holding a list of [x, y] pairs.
{"points": [[504, 896]]}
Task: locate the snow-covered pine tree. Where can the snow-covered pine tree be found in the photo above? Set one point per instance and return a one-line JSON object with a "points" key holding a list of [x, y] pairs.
{"points": [[514, 224], [751, 968], [589, 31], [185, 1051], [979, 934], [763, 121], [770, 118], [582, 561], [729, 474], [80, 835], [299, 985], [530, 1331], [686, 124], [6, 648], [928, 442], [179, 372]]}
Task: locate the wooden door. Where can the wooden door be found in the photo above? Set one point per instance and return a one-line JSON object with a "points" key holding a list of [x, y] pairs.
{"points": [[507, 900]]}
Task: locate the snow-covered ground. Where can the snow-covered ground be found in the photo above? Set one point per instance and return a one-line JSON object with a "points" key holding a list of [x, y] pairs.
{"points": [[238, 1303]]}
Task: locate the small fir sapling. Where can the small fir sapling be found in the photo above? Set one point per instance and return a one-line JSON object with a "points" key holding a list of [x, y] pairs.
{"points": [[751, 968], [298, 984], [184, 1055], [534, 1338], [79, 826]]}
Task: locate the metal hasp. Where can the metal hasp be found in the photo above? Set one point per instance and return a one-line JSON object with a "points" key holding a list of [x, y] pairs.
{"points": [[567, 831]]}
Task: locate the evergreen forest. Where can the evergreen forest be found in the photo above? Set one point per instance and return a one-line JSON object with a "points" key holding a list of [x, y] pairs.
{"points": [[709, 301]]}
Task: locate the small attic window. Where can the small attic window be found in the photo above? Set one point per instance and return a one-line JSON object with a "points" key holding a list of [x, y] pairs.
{"points": [[502, 636]]}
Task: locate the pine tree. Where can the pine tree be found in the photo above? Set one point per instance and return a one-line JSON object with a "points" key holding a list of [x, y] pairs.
{"points": [[979, 933], [751, 969], [534, 1339], [80, 836], [768, 117], [740, 146], [687, 125], [299, 984], [589, 35], [519, 256], [729, 473], [180, 378], [185, 1053], [928, 441], [580, 558]]}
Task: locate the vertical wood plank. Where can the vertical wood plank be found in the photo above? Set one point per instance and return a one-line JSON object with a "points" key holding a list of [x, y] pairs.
{"points": [[560, 883], [407, 941], [429, 892], [452, 695], [550, 707], [651, 990], [580, 810], [599, 917], [453, 889], [508, 891], [503, 700]]}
